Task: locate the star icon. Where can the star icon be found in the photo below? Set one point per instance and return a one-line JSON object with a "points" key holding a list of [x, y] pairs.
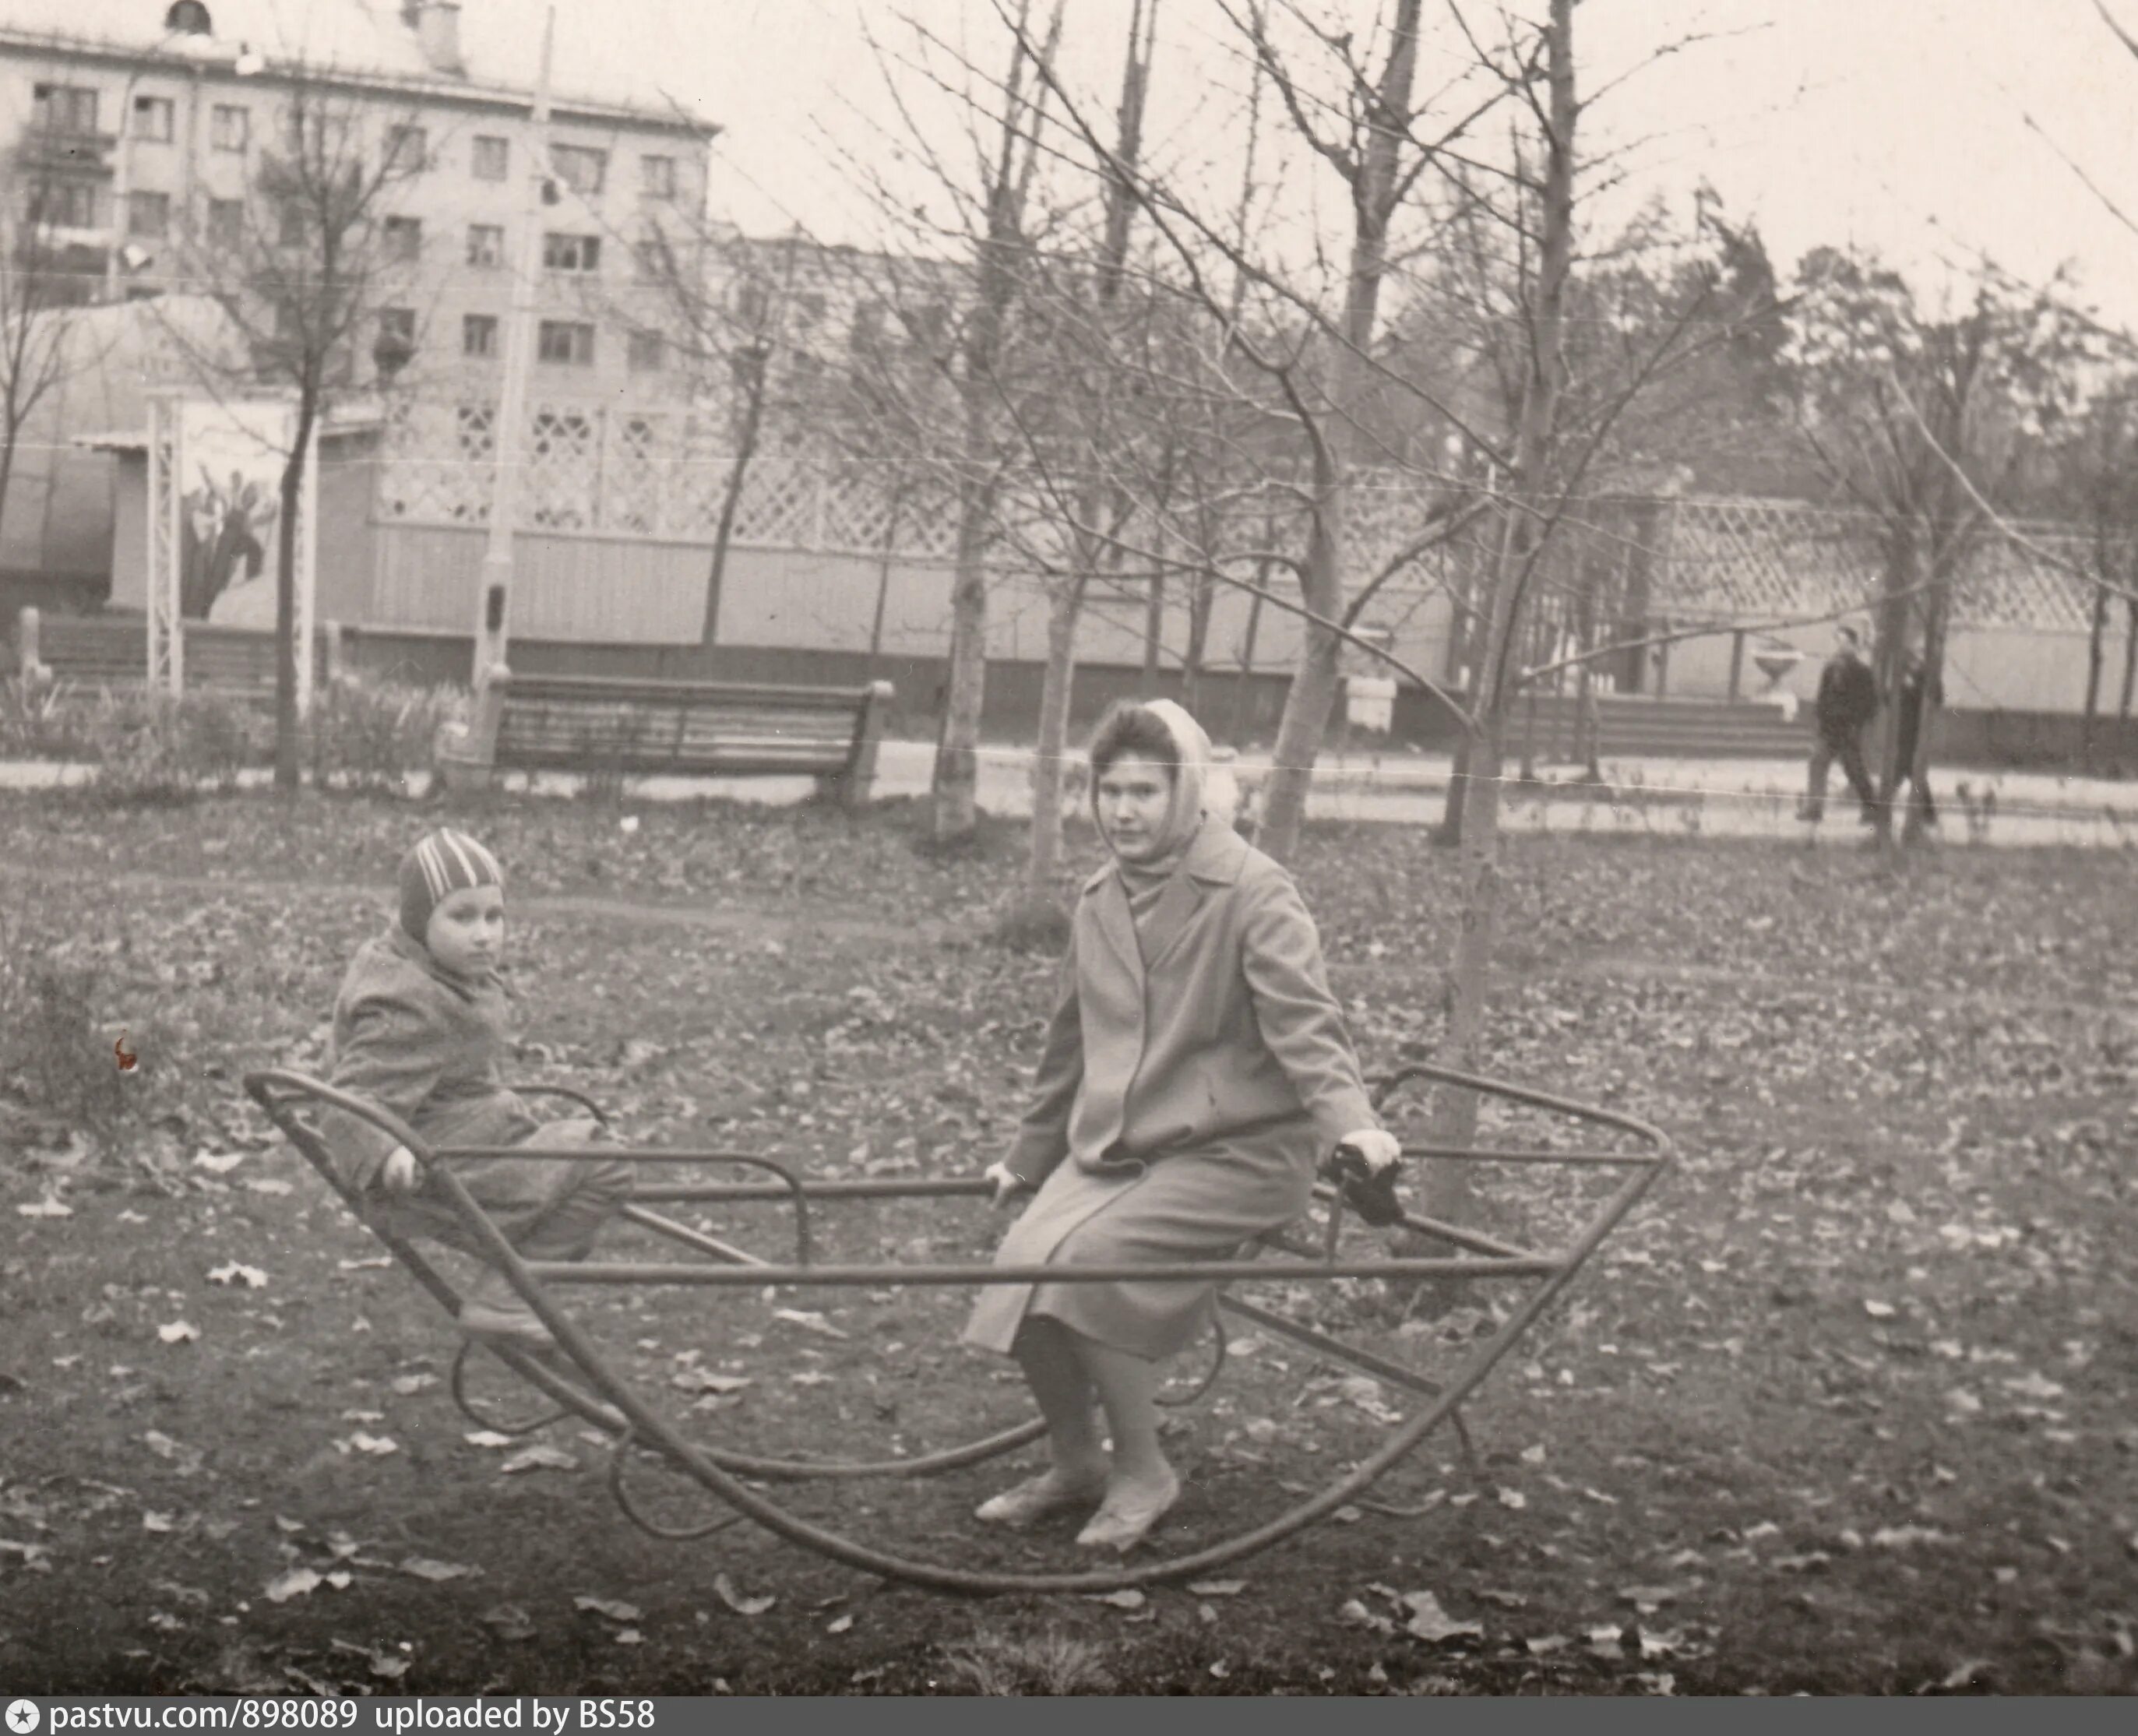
{"points": [[23, 1717]]}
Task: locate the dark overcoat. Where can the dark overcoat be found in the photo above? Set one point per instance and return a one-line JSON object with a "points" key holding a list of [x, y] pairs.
{"points": [[1190, 1079]]}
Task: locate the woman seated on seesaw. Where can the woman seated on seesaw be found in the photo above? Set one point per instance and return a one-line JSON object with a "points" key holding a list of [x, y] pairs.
{"points": [[1196, 1065]]}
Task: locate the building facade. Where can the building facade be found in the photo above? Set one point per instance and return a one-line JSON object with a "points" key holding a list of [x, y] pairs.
{"points": [[134, 136]]}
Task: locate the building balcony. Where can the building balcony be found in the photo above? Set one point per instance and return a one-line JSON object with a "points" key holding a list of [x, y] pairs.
{"points": [[42, 147]]}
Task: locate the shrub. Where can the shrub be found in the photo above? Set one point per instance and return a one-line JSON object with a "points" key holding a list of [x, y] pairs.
{"points": [[369, 736], [150, 748], [39, 723]]}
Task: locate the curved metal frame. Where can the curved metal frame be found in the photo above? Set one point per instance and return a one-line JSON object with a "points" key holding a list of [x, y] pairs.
{"points": [[608, 1403]]}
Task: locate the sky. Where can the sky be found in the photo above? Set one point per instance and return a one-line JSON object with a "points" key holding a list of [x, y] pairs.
{"points": [[1901, 125]]}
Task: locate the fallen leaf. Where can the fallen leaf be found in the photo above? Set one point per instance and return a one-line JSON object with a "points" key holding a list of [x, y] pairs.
{"points": [[1542, 1646], [487, 1437], [409, 1384], [297, 1583], [540, 1458], [1217, 1587], [1127, 1598], [1514, 1498], [388, 1666], [629, 1636], [178, 1332], [219, 1163], [1902, 1537], [156, 1522], [704, 1380], [45, 1208], [373, 1262], [2034, 1385], [609, 1606], [378, 1445], [809, 1320], [508, 1621], [1647, 1598], [840, 1624], [265, 1184], [250, 1277], [735, 1601], [423, 1567], [1430, 1622], [1879, 1310]]}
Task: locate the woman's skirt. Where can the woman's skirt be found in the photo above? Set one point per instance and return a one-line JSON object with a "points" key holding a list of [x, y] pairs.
{"points": [[1203, 1202]]}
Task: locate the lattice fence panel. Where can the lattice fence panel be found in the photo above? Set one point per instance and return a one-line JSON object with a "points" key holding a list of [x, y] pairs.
{"points": [[561, 475], [663, 471]]}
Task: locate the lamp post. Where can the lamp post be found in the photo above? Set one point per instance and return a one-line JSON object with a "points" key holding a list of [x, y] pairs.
{"points": [[494, 595], [245, 64]]}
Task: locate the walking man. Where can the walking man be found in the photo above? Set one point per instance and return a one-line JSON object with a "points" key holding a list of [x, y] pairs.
{"points": [[1847, 700]]}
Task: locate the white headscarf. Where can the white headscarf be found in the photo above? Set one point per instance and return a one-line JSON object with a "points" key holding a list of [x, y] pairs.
{"points": [[1183, 816]]}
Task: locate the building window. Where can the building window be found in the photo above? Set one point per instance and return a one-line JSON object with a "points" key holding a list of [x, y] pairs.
{"points": [[61, 204], [753, 303], [230, 127], [657, 176], [571, 252], [485, 245], [188, 18], [408, 150], [63, 108], [580, 168], [291, 233], [808, 312], [225, 223], [493, 158], [567, 341], [404, 239], [479, 334], [648, 353], [649, 260], [397, 326], [149, 215], [866, 333], [152, 117]]}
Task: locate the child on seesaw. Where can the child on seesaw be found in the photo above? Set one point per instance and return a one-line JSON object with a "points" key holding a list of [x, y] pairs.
{"points": [[418, 1028]]}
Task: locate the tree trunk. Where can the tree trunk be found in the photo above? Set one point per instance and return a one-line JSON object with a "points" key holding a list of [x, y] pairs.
{"points": [[1199, 600], [1373, 193], [746, 438], [2095, 645], [1936, 632], [956, 792], [1154, 635], [2130, 658], [1306, 707], [1064, 604], [286, 649], [1448, 1192]]}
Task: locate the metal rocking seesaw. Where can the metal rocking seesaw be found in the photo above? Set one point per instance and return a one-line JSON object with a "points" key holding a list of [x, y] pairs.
{"points": [[594, 1392]]}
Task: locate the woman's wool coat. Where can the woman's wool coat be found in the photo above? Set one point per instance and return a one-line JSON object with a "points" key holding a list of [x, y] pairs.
{"points": [[1192, 1074]]}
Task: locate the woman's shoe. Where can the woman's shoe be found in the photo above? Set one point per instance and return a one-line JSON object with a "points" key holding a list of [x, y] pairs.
{"points": [[1125, 1520], [1036, 1497]]}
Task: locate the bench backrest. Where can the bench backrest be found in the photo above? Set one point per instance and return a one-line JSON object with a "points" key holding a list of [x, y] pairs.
{"points": [[603, 723], [112, 651]]}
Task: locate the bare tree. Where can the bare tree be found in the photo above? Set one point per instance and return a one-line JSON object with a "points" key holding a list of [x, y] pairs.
{"points": [[307, 266], [1926, 421], [43, 282]]}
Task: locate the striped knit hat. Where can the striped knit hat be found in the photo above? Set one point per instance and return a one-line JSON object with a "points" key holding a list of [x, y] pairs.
{"points": [[443, 861]]}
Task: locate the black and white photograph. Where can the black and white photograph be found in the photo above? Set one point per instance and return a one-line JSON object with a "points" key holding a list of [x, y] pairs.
{"points": [[1104, 848]]}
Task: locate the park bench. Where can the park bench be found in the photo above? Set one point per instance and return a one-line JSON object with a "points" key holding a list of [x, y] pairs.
{"points": [[109, 653], [615, 726]]}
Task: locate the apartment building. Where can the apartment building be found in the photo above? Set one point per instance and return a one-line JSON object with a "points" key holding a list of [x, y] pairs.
{"points": [[134, 131]]}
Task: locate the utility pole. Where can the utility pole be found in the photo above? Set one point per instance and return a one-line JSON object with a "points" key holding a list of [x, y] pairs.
{"points": [[494, 597]]}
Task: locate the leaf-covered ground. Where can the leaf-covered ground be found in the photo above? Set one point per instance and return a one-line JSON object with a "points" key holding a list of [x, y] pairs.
{"points": [[1845, 1407]]}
